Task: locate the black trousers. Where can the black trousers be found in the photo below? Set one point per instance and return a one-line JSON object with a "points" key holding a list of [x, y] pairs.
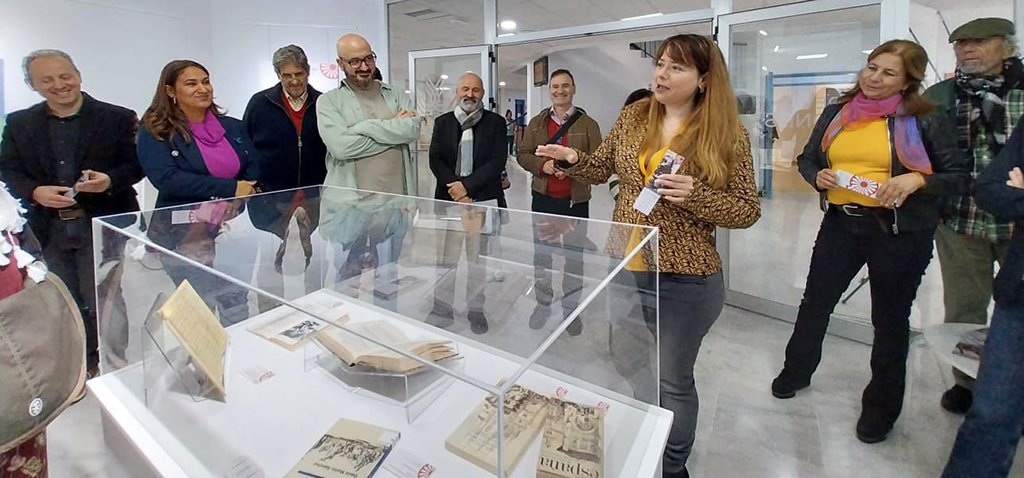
{"points": [[896, 264], [570, 246], [69, 254]]}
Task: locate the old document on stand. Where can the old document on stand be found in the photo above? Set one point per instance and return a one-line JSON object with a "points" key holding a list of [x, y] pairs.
{"points": [[573, 443], [200, 333], [476, 439]]}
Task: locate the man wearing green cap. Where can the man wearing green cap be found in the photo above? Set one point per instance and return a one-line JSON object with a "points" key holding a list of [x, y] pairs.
{"points": [[987, 99]]}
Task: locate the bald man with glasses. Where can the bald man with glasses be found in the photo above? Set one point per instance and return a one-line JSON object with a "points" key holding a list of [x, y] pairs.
{"points": [[367, 126]]}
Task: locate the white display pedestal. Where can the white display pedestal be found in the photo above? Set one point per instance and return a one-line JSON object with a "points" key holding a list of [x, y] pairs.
{"points": [[273, 423]]}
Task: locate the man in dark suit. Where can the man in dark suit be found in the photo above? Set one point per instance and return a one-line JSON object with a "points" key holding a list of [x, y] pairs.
{"points": [[467, 155], [69, 159], [281, 121]]}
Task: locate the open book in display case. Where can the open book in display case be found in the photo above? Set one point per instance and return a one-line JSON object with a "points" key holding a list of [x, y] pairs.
{"points": [[490, 342]]}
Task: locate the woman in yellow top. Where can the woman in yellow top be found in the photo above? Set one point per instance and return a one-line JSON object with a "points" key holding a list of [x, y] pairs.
{"points": [[693, 113], [881, 162]]}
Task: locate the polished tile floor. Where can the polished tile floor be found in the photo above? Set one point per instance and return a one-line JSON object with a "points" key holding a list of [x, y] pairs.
{"points": [[743, 432]]}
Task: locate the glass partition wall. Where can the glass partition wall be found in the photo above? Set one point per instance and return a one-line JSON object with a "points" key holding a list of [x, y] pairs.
{"points": [[787, 60]]}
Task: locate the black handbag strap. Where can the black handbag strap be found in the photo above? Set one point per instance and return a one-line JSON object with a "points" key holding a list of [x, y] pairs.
{"points": [[565, 127]]}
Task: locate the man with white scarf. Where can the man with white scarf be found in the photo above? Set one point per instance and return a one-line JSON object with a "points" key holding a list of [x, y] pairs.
{"points": [[467, 155]]}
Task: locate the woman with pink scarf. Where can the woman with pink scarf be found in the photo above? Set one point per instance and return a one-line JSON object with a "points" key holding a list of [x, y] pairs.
{"points": [[193, 152], [881, 161]]}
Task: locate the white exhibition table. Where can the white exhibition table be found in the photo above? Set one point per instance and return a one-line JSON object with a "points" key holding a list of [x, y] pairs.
{"points": [[272, 424]]}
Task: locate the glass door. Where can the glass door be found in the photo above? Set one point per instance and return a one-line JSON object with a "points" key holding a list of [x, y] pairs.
{"points": [[433, 75], [786, 63]]}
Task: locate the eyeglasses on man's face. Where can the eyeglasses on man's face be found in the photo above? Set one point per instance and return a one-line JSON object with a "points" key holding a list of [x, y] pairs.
{"points": [[355, 62]]}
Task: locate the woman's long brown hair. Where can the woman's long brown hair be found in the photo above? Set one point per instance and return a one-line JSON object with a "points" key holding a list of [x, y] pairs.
{"points": [[712, 132], [164, 119], [915, 60]]}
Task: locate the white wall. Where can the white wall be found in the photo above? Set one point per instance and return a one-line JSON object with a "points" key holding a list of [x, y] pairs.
{"points": [[119, 45], [248, 31], [605, 75]]}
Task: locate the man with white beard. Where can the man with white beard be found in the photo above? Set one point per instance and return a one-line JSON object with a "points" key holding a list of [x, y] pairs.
{"points": [[986, 99], [467, 155]]}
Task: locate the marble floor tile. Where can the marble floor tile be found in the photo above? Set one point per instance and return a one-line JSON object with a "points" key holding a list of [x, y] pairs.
{"points": [[742, 431]]}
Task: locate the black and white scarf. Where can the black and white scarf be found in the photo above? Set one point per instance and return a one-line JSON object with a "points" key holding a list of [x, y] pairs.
{"points": [[981, 101], [467, 120]]}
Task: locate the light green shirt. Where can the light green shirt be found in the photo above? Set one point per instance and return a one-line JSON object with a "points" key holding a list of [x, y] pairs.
{"points": [[351, 137]]}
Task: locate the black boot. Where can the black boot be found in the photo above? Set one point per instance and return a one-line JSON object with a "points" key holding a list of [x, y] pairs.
{"points": [[871, 429], [957, 400], [786, 385], [679, 474], [478, 322]]}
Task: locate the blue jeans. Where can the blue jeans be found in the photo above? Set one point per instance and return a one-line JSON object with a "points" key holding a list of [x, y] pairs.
{"points": [[988, 437]]}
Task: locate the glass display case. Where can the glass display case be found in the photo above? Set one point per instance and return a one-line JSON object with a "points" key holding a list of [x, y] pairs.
{"points": [[267, 335]]}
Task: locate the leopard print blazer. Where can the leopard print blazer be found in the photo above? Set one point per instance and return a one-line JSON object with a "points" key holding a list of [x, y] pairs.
{"points": [[686, 243]]}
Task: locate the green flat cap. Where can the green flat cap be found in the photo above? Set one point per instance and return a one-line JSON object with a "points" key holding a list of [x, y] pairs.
{"points": [[983, 28]]}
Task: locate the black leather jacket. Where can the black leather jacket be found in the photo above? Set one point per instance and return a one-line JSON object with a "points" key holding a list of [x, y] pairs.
{"points": [[920, 211]]}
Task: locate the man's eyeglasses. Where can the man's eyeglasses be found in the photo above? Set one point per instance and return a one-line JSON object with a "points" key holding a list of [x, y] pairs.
{"points": [[355, 62]]}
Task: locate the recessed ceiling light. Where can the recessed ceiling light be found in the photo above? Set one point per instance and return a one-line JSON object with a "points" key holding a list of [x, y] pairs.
{"points": [[651, 15], [508, 25], [407, 92], [776, 49], [812, 57], [764, 68], [501, 83], [763, 32], [444, 77]]}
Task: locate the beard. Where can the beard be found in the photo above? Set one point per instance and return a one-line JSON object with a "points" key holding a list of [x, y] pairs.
{"points": [[470, 105], [980, 68], [358, 82]]}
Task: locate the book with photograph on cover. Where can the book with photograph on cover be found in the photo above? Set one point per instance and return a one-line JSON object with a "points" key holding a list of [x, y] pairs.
{"points": [[350, 449], [354, 350], [476, 439], [295, 328], [573, 443]]}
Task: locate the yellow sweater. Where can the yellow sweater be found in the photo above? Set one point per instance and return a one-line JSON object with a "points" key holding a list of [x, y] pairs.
{"points": [[862, 150]]}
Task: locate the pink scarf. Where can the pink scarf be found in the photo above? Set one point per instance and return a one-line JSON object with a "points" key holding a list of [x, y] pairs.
{"points": [[909, 147]]}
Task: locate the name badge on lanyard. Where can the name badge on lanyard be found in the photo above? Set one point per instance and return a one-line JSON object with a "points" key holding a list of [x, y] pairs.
{"points": [[649, 196]]}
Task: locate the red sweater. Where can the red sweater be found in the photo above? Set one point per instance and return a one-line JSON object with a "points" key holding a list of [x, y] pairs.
{"points": [[558, 188], [295, 115]]}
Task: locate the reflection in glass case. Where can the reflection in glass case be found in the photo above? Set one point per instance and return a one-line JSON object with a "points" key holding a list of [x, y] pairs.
{"points": [[344, 312]]}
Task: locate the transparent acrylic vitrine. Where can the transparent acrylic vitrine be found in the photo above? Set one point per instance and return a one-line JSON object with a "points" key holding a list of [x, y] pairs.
{"points": [[528, 310]]}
